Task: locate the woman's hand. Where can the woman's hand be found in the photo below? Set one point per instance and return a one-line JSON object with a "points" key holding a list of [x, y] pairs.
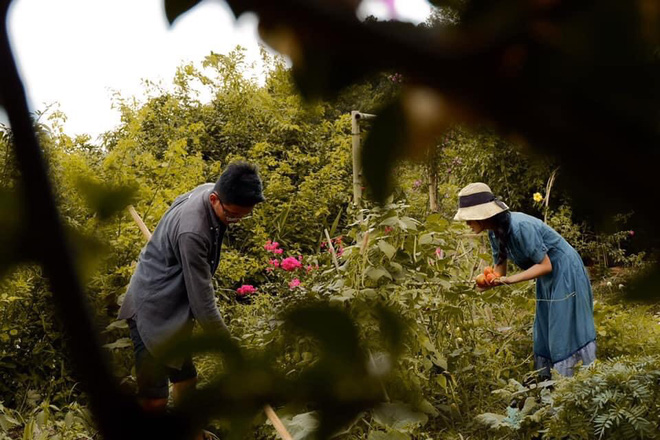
{"points": [[501, 281]]}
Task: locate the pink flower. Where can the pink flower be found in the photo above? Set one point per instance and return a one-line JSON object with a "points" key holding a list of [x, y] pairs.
{"points": [[272, 246], [269, 269], [277, 251], [388, 229], [294, 283], [290, 263], [274, 262], [439, 253], [245, 289], [340, 251], [309, 268], [631, 233]]}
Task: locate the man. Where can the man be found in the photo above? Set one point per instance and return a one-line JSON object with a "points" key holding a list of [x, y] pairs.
{"points": [[171, 287]]}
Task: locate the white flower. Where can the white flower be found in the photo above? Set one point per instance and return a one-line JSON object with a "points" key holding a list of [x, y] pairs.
{"points": [[609, 284], [621, 286]]}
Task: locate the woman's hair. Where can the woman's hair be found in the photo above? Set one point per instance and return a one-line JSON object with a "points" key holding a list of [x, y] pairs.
{"points": [[501, 224]]}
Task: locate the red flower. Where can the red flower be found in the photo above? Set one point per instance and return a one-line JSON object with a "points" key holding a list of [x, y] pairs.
{"points": [[245, 289]]}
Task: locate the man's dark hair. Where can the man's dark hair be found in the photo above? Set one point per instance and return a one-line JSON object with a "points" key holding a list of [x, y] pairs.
{"points": [[240, 185]]}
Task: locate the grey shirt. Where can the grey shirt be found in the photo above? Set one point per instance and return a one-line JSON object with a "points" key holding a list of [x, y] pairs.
{"points": [[171, 286]]}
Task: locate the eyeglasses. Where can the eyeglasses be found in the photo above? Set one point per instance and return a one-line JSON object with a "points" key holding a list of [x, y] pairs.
{"points": [[231, 216]]}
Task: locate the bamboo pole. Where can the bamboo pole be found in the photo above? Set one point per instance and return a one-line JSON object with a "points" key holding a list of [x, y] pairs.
{"points": [[270, 412]]}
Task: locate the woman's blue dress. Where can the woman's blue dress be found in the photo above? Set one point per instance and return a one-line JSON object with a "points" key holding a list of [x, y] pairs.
{"points": [[564, 331]]}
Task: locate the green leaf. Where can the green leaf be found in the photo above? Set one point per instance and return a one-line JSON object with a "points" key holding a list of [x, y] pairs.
{"points": [[391, 435], [119, 343], [120, 324], [175, 8], [426, 239], [399, 416], [376, 273], [490, 420], [386, 248], [333, 228]]}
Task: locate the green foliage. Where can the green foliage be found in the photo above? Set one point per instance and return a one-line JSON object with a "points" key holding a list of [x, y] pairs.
{"points": [[385, 312], [614, 400]]}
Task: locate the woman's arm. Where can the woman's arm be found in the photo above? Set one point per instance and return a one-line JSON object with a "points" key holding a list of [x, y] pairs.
{"points": [[537, 270]]}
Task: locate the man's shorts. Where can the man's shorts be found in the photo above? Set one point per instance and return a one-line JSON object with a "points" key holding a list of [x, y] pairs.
{"points": [[152, 376]]}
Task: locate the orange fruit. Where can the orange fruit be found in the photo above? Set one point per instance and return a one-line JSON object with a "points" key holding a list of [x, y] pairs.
{"points": [[488, 270], [481, 280], [490, 278]]}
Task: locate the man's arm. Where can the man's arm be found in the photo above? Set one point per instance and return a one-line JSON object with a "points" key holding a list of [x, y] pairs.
{"points": [[197, 276]]}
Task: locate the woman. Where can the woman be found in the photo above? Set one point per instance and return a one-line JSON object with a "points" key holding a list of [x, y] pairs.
{"points": [[564, 332]]}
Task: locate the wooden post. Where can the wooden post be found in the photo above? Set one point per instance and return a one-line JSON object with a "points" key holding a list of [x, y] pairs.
{"points": [[357, 163]]}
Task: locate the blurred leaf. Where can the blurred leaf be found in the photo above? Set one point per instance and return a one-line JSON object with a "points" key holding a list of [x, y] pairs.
{"points": [[392, 328], [332, 327], [104, 199], [175, 8], [382, 148]]}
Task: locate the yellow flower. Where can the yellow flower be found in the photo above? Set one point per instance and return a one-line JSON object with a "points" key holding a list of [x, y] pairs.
{"points": [[538, 197]]}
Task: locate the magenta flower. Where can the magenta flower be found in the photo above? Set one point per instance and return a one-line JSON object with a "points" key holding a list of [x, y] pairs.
{"points": [[245, 289], [631, 233], [272, 246], [290, 263], [294, 283]]}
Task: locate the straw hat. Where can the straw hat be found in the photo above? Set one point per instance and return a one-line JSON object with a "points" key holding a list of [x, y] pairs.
{"points": [[477, 202]]}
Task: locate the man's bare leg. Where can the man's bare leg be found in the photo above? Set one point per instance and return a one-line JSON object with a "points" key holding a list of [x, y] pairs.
{"points": [[179, 390], [154, 405]]}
